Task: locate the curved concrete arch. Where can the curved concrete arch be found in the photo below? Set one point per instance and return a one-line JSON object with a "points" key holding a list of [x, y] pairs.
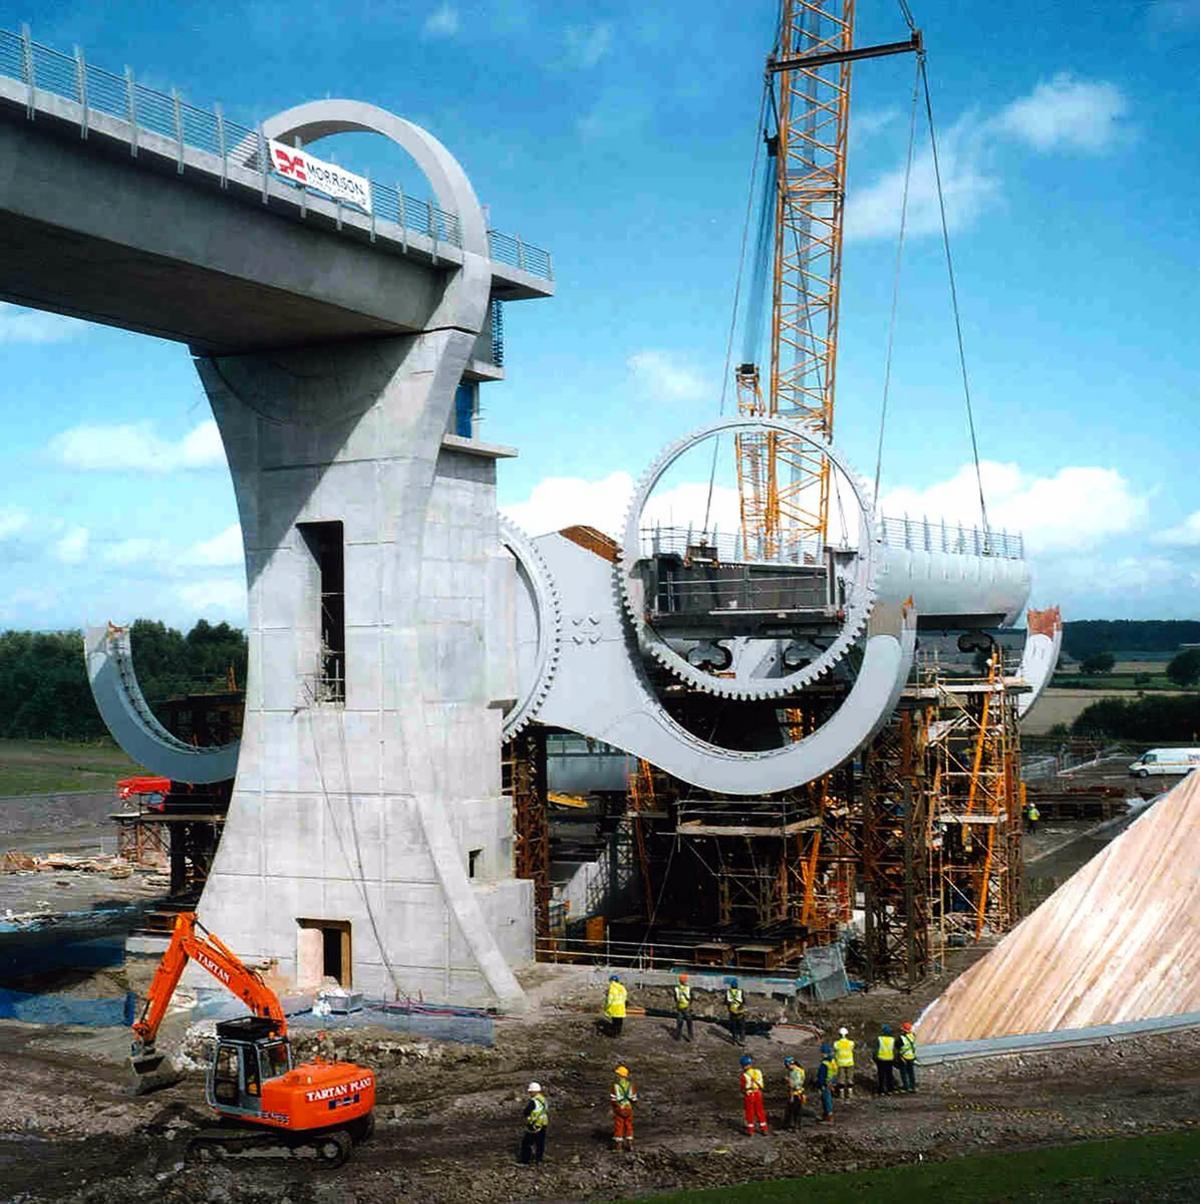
{"points": [[131, 722], [465, 304], [1043, 642]]}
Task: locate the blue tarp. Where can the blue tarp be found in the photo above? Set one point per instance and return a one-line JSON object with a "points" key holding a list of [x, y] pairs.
{"points": [[66, 1009]]}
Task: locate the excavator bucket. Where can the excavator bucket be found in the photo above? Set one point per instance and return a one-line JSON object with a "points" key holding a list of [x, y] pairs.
{"points": [[150, 1072]]}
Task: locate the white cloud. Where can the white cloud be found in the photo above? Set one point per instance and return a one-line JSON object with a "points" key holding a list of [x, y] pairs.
{"points": [[1067, 113], [1074, 509], [587, 44], [222, 549], [223, 596], [72, 547], [968, 188], [122, 447], [147, 552], [664, 377], [1185, 535], [12, 520], [559, 502], [443, 22], [19, 325]]}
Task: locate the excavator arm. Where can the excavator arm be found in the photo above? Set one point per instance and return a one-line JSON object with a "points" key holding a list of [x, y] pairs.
{"points": [[191, 941]]}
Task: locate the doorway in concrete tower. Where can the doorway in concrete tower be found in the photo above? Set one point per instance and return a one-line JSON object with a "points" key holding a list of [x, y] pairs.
{"points": [[323, 952]]}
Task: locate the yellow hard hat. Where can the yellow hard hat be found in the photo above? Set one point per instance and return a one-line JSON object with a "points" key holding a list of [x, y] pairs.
{"points": [[623, 1071]]}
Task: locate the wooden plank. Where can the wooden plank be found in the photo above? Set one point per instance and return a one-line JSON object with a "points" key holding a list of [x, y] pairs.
{"points": [[1118, 941], [695, 827]]}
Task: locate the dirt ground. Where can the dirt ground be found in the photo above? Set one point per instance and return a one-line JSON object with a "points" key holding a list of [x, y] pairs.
{"points": [[449, 1116]]}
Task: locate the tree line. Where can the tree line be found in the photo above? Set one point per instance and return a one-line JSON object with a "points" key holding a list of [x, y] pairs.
{"points": [[44, 691], [1086, 637], [1154, 718]]}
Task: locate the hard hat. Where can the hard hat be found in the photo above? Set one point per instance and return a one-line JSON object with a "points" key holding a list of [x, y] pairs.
{"points": [[843, 1032], [745, 1059], [614, 978], [827, 1049], [732, 982], [787, 1061], [623, 1071], [683, 978], [887, 1030], [534, 1088], [906, 1026]]}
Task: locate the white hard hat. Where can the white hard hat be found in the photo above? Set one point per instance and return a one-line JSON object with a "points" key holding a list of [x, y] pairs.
{"points": [[845, 1032], [535, 1087]]}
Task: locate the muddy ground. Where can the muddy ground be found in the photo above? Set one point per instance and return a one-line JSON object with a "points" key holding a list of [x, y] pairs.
{"points": [[449, 1115]]}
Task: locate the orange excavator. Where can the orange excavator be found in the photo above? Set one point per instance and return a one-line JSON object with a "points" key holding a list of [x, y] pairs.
{"points": [[316, 1109]]}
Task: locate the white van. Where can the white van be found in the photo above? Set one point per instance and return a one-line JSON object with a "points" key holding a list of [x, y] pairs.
{"points": [[1165, 760]]}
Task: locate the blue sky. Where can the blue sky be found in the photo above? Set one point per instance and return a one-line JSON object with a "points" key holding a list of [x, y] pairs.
{"points": [[620, 137]]}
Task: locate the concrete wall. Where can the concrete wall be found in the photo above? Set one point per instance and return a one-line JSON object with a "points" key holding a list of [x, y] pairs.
{"points": [[366, 811]]}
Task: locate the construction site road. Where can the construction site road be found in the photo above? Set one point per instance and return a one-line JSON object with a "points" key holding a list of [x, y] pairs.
{"points": [[449, 1115]]}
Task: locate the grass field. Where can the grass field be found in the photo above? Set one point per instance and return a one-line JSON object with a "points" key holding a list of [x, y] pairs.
{"points": [[1161, 1166], [53, 766]]}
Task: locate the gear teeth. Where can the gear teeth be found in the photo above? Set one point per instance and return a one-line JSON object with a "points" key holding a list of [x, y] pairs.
{"points": [[862, 592], [549, 614]]}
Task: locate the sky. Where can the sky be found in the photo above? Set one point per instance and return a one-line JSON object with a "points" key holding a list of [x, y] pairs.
{"points": [[620, 136]]}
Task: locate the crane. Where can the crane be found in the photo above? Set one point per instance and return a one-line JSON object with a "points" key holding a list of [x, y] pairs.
{"points": [[783, 482], [251, 1082]]}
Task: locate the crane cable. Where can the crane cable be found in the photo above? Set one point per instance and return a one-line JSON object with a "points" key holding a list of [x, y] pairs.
{"points": [[906, 12], [962, 355], [737, 294], [891, 340]]}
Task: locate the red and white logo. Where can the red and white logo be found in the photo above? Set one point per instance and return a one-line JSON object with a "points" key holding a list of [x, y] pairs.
{"points": [[288, 165]]}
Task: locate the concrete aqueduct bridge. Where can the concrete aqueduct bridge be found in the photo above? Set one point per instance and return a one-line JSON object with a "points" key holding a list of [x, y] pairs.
{"points": [[367, 836]]}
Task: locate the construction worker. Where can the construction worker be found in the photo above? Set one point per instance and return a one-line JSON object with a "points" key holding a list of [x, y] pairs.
{"points": [[885, 1060], [683, 1008], [537, 1117], [795, 1090], [908, 1059], [735, 1005], [843, 1052], [623, 1097], [752, 1096], [614, 1005], [1032, 815], [827, 1072]]}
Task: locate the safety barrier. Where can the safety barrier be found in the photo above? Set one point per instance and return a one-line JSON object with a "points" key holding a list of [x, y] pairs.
{"points": [[167, 115]]}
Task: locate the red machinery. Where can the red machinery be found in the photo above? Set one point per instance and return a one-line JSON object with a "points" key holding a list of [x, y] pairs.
{"points": [[317, 1107]]}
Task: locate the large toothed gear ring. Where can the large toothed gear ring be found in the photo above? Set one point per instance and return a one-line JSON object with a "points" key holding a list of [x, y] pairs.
{"points": [[858, 578], [537, 608]]}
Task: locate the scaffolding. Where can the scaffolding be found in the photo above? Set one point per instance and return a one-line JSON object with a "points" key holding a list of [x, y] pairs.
{"points": [[523, 780]]}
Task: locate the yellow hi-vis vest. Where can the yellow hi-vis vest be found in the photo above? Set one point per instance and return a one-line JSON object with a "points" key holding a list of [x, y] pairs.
{"points": [[752, 1080], [796, 1080], [843, 1049], [1034, 813], [539, 1118], [614, 1004], [623, 1093], [908, 1047], [886, 1050], [734, 1000], [831, 1069], [683, 996]]}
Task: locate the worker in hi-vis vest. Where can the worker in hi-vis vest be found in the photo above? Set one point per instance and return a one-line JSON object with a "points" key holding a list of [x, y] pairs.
{"points": [[843, 1052], [623, 1096], [683, 1008], [826, 1073], [537, 1117], [885, 1061], [614, 1005], [908, 1058], [795, 1090], [735, 1005], [752, 1096]]}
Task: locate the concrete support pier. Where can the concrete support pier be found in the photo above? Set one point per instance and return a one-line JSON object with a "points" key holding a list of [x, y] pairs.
{"points": [[367, 839]]}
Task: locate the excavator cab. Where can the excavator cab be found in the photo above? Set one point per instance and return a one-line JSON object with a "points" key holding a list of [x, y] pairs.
{"points": [[249, 1052]]}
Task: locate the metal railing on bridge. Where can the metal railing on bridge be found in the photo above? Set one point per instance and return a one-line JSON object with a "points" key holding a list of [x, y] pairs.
{"points": [[69, 76]]}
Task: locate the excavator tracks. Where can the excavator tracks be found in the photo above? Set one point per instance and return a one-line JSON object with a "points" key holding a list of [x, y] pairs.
{"points": [[330, 1149]]}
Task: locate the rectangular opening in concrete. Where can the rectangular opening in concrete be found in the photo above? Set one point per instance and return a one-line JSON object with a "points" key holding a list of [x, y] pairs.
{"points": [[326, 545], [323, 951], [473, 856]]}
